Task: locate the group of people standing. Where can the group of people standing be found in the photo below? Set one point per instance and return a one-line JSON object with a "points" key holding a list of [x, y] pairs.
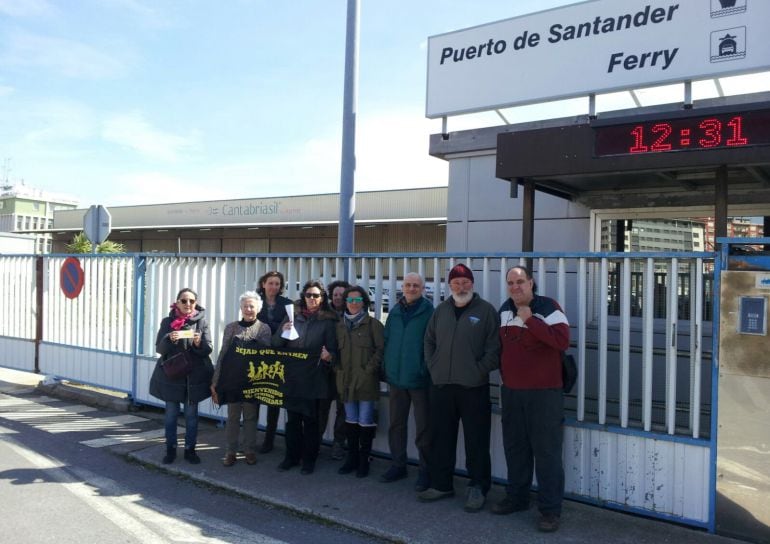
{"points": [[436, 363]]}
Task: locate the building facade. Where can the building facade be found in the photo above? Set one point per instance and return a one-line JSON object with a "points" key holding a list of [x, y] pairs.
{"points": [[411, 220], [27, 210]]}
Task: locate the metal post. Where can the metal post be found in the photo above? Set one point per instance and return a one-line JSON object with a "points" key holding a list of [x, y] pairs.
{"points": [[39, 268], [345, 238], [766, 231], [137, 331], [528, 220], [687, 94], [720, 205]]}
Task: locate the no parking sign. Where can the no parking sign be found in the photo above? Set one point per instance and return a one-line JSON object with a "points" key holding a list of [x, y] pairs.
{"points": [[71, 277]]}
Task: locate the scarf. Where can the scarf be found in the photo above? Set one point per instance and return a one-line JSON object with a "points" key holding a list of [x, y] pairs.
{"points": [[308, 314], [353, 320], [180, 319]]}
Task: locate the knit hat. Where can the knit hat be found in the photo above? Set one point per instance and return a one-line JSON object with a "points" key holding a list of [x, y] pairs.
{"points": [[460, 271]]}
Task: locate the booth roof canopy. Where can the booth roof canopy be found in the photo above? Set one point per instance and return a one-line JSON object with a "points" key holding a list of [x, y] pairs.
{"points": [[560, 157]]}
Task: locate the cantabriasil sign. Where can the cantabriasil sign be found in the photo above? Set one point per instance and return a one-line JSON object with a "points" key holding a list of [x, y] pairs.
{"points": [[594, 47]]}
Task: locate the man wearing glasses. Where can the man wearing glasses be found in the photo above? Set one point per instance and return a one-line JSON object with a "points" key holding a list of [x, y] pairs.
{"points": [[461, 348], [408, 378]]}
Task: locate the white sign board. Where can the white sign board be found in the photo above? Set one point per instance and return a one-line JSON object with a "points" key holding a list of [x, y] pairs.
{"points": [[594, 47]]}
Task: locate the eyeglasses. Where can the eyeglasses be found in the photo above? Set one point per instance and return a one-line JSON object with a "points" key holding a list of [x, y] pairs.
{"points": [[186, 301], [312, 295], [354, 299]]}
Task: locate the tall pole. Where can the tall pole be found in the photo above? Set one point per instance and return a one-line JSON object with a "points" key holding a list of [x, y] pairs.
{"points": [[346, 232]]}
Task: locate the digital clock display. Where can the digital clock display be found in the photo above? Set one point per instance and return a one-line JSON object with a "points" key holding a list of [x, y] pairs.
{"points": [[721, 131]]}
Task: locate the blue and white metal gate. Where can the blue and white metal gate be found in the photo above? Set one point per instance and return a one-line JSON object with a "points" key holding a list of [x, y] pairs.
{"points": [[639, 433]]}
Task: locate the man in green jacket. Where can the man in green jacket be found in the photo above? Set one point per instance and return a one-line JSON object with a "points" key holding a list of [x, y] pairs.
{"points": [[408, 378], [462, 346]]}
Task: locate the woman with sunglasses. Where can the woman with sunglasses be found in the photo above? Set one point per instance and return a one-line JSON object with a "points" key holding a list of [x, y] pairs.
{"points": [[361, 343], [273, 313], [185, 329], [315, 324]]}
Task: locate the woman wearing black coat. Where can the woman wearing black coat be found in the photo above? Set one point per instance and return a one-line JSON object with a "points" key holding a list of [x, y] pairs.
{"points": [[185, 315], [273, 312], [316, 325]]}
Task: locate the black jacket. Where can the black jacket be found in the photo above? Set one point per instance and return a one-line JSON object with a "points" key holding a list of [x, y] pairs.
{"points": [[195, 387], [314, 332], [463, 351], [279, 313]]}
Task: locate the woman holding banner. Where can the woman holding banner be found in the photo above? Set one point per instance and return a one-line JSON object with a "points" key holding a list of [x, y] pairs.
{"points": [[248, 328], [273, 312], [361, 344], [183, 341], [314, 323]]}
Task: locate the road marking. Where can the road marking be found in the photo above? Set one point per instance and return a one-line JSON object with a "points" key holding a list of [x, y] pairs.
{"points": [[124, 439], [148, 520], [64, 419]]}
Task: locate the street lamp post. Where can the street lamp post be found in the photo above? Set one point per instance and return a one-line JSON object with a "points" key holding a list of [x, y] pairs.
{"points": [[346, 230]]}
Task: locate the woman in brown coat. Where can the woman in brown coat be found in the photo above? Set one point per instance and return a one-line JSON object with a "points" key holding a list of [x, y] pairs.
{"points": [[361, 343]]}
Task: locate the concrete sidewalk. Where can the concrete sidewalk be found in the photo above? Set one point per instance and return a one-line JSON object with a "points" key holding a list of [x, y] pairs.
{"points": [[389, 511]]}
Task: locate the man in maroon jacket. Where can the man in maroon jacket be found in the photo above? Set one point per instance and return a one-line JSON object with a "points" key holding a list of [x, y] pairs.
{"points": [[533, 333]]}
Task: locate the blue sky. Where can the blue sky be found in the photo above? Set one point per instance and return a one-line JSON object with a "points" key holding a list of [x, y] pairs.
{"points": [[142, 101]]}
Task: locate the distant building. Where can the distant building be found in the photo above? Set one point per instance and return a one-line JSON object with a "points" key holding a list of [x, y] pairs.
{"points": [[656, 235], [737, 227], [406, 221], [27, 210], [21, 244]]}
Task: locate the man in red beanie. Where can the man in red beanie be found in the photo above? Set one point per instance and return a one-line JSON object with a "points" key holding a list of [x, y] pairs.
{"points": [[461, 349]]}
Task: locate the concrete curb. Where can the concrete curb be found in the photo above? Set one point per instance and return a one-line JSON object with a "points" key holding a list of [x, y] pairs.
{"points": [[89, 397], [250, 494]]}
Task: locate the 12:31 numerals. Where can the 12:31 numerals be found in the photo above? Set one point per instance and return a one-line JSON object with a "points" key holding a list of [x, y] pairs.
{"points": [[712, 133]]}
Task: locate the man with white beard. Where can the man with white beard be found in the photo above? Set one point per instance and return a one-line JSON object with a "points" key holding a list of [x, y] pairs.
{"points": [[462, 347]]}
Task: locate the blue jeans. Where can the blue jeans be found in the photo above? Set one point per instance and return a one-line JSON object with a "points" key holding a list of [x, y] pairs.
{"points": [[190, 422], [361, 412]]}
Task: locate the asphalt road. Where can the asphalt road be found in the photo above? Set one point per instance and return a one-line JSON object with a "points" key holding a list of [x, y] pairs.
{"points": [[61, 481]]}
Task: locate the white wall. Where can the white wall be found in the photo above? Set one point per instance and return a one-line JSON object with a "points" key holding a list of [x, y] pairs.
{"points": [[482, 217]]}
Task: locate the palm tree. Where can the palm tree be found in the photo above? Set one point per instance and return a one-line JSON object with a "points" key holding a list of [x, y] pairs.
{"points": [[81, 244]]}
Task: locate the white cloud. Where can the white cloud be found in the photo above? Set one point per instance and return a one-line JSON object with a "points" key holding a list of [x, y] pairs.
{"points": [[158, 188], [55, 121], [6, 90], [148, 15], [65, 57], [27, 8], [392, 152], [133, 131], [309, 168]]}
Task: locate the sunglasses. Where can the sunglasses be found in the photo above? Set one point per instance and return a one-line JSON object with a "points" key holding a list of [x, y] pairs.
{"points": [[354, 299], [186, 301], [312, 295]]}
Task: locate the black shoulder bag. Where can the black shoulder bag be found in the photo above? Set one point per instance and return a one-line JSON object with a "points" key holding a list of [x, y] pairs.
{"points": [[569, 371], [178, 365]]}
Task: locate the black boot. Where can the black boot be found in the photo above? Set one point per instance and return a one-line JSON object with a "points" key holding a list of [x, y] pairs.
{"points": [[170, 455], [272, 425], [364, 449], [191, 457], [351, 459]]}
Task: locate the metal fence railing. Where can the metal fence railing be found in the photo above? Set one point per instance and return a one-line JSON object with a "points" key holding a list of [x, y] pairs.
{"points": [[634, 317]]}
